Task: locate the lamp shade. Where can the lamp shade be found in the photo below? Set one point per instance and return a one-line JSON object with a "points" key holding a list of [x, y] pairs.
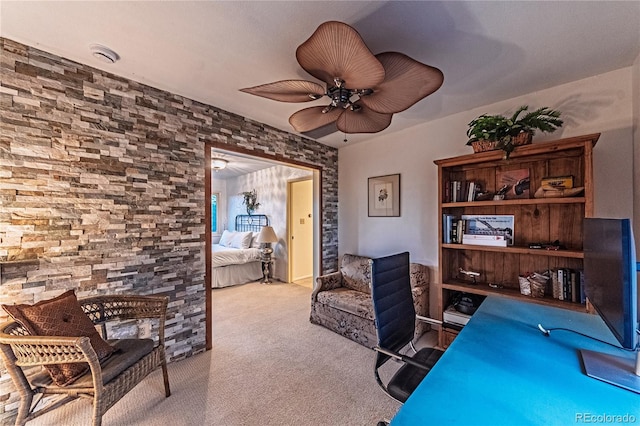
{"points": [[267, 235]]}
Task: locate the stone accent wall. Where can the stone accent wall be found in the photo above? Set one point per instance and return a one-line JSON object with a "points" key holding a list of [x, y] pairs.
{"points": [[102, 189]]}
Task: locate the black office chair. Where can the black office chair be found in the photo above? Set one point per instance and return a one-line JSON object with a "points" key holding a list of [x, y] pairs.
{"points": [[395, 318]]}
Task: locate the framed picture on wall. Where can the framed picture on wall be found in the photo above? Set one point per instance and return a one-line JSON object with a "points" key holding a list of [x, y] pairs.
{"points": [[384, 195]]}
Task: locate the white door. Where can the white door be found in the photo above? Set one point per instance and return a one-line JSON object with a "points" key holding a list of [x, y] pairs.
{"points": [[301, 229]]}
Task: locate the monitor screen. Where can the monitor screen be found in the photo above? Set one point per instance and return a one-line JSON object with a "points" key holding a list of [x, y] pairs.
{"points": [[610, 280]]}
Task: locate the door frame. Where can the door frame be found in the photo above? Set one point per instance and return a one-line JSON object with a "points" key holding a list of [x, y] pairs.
{"points": [[289, 227], [317, 220]]}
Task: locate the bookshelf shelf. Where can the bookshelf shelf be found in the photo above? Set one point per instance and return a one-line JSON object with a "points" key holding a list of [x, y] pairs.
{"points": [[483, 289], [535, 220], [574, 254], [520, 202]]}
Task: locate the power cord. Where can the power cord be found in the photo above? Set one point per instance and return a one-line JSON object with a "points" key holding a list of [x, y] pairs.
{"points": [[547, 332]]}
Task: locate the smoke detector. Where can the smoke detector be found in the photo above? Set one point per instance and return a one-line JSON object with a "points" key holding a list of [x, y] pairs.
{"points": [[104, 54]]}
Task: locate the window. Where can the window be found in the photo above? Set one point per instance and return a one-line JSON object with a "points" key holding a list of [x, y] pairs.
{"points": [[215, 197]]}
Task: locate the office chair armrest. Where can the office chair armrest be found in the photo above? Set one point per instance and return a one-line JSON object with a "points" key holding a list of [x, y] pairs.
{"points": [[400, 357], [428, 320]]}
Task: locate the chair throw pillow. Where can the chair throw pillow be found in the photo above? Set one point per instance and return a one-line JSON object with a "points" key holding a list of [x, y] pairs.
{"points": [[61, 316]]}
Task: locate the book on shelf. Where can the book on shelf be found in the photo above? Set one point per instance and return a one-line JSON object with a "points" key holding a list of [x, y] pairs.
{"points": [[478, 229], [568, 284], [454, 231], [456, 191], [555, 286], [484, 240], [574, 286], [493, 225], [447, 226]]}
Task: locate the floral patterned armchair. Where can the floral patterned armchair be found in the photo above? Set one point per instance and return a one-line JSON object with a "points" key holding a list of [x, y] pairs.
{"points": [[341, 301]]}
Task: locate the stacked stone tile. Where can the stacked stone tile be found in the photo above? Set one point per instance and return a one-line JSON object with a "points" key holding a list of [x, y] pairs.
{"points": [[102, 189]]}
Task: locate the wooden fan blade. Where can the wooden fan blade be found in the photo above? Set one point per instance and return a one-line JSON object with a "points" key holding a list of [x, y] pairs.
{"points": [[335, 50], [311, 118], [322, 131], [288, 91], [406, 82], [363, 121]]}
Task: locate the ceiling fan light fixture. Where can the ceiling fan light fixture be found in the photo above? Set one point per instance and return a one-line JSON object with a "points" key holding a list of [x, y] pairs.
{"points": [[218, 164]]}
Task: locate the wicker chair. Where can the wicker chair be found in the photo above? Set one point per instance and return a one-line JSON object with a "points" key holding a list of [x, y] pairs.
{"points": [[105, 384]]}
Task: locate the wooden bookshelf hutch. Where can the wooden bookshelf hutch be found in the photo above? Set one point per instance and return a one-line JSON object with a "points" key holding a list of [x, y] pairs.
{"points": [[535, 220]]}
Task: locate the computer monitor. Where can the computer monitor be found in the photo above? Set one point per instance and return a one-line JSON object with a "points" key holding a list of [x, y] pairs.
{"points": [[610, 283]]}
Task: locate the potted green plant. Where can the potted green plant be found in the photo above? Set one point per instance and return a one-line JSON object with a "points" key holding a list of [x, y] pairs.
{"points": [[250, 200], [489, 132]]}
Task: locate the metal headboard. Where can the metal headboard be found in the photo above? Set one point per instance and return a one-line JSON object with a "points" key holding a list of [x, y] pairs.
{"points": [[254, 222]]}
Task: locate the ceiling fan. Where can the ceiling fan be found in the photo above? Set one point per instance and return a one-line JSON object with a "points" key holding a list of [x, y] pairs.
{"points": [[365, 90]]}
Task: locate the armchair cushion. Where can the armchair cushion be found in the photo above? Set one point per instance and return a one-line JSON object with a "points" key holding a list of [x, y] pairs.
{"points": [[128, 352], [356, 273], [61, 316], [354, 302]]}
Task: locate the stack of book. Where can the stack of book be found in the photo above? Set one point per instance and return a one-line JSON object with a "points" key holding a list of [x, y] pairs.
{"points": [[568, 284], [458, 191]]}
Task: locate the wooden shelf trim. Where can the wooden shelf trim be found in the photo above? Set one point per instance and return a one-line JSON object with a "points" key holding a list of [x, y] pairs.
{"points": [[518, 202], [521, 151], [483, 289], [574, 254]]}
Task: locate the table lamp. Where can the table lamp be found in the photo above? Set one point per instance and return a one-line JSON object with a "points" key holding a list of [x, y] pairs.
{"points": [[265, 238]]}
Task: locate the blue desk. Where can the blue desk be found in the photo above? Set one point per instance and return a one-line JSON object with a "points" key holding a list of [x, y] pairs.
{"points": [[501, 370]]}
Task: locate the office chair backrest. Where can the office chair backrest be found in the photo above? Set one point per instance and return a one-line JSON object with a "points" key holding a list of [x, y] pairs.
{"points": [[393, 307]]}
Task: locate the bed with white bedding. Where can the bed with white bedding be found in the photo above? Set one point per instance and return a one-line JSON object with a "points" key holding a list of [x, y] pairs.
{"points": [[236, 258]]}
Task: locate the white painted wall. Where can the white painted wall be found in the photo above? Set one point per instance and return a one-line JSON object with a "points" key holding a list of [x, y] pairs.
{"points": [[600, 104], [271, 186], [635, 87]]}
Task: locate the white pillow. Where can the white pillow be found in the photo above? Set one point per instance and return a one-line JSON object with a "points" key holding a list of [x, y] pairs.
{"points": [[254, 240], [226, 238], [246, 240], [240, 240]]}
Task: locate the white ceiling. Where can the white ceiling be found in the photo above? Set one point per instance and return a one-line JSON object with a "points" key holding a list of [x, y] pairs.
{"points": [[239, 164], [207, 50]]}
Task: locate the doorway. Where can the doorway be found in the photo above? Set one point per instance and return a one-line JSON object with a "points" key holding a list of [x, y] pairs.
{"points": [[222, 149], [300, 231]]}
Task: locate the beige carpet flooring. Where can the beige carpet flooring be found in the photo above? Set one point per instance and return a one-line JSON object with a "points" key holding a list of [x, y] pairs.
{"points": [[268, 366], [305, 282]]}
